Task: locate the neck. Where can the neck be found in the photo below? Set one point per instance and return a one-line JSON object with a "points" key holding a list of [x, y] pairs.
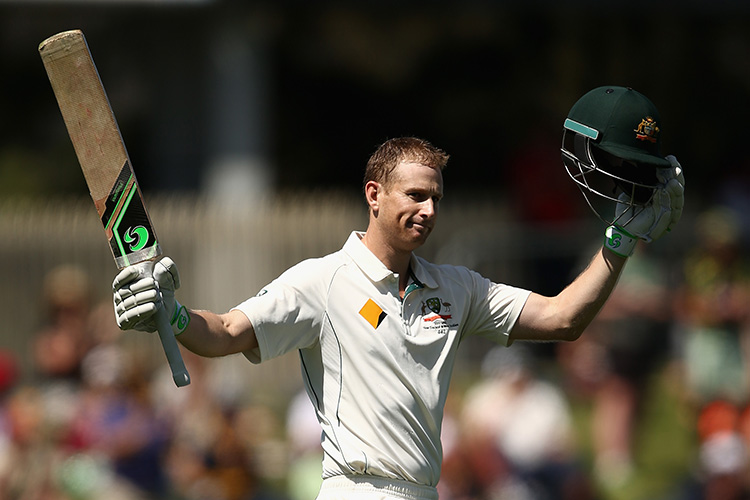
{"points": [[392, 258]]}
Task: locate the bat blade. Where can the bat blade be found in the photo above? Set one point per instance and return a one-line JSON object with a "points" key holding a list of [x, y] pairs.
{"points": [[99, 147], [106, 166]]}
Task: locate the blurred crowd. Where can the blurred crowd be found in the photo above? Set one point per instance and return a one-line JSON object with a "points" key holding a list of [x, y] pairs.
{"points": [[94, 420]]}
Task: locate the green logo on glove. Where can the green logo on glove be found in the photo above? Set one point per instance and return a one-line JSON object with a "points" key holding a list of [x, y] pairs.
{"points": [[615, 240], [180, 320]]}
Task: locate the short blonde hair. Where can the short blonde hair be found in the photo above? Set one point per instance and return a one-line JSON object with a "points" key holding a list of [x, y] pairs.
{"points": [[386, 158]]}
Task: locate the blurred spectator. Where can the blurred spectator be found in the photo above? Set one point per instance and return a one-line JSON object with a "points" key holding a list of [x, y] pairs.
{"points": [[220, 448], [734, 189], [713, 340], [723, 468], [197, 420], [115, 422], [31, 453], [262, 432], [554, 201], [223, 470], [712, 312], [306, 453], [549, 205], [10, 372], [616, 358], [523, 425], [64, 339]]}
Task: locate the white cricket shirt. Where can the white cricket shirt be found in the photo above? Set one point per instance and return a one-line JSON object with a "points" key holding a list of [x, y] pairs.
{"points": [[376, 368]]}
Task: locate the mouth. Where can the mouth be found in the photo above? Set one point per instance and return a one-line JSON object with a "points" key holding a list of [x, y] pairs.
{"points": [[421, 227]]}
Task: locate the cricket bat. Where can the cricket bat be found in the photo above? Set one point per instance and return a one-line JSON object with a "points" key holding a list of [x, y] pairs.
{"points": [[106, 166]]}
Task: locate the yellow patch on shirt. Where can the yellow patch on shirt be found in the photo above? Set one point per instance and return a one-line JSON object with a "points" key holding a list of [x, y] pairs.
{"points": [[372, 313]]}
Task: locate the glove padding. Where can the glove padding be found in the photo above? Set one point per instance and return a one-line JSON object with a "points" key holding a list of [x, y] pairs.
{"points": [[137, 297], [663, 211]]}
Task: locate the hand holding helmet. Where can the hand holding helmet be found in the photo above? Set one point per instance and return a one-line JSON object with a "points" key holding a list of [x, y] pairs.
{"points": [[611, 150], [662, 213]]}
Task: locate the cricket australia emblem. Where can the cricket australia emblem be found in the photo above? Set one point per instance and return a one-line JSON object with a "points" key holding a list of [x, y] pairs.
{"points": [[433, 304], [647, 130], [436, 315]]}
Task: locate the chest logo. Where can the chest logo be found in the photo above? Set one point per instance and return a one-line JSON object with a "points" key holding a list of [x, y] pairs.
{"points": [[372, 313], [436, 306], [436, 316], [433, 304]]}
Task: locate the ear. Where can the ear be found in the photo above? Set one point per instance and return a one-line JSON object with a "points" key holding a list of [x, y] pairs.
{"points": [[372, 193]]}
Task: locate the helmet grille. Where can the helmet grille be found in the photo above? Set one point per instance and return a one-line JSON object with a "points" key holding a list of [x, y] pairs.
{"points": [[602, 177]]}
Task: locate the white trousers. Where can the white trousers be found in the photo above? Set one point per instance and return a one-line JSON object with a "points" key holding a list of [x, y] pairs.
{"points": [[362, 487]]}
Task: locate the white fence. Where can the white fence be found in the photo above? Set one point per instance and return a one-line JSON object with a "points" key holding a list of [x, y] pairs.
{"points": [[227, 253]]}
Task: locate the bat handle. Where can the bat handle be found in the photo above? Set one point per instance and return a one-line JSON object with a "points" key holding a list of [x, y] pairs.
{"points": [[171, 349], [168, 341]]}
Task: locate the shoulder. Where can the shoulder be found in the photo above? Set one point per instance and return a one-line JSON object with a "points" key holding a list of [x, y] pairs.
{"points": [[447, 274], [474, 284], [314, 270]]}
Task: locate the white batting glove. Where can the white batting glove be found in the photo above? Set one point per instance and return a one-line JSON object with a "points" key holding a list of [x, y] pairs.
{"points": [[674, 179], [137, 297], [648, 223]]}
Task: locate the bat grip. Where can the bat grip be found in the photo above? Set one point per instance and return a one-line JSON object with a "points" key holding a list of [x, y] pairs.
{"points": [[168, 341], [171, 349]]}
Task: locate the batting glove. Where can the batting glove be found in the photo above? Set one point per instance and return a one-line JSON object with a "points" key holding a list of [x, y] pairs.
{"points": [[648, 223], [138, 294]]}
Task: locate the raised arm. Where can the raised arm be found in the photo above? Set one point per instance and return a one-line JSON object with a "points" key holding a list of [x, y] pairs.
{"points": [[205, 333], [566, 315]]}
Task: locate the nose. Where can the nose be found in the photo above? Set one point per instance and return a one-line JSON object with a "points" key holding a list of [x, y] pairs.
{"points": [[429, 208]]}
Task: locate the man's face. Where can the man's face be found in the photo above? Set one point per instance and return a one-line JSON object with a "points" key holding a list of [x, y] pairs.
{"points": [[408, 207]]}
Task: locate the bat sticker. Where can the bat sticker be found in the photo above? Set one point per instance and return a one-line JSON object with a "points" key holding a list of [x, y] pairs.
{"points": [[136, 238], [126, 222]]}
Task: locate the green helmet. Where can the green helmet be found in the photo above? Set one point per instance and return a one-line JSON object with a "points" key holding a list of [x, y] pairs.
{"points": [[611, 147]]}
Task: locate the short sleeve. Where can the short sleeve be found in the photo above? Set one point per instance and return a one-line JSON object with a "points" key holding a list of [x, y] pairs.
{"points": [[286, 314], [494, 309]]}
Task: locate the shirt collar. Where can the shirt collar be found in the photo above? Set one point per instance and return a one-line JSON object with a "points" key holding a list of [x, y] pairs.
{"points": [[421, 272], [375, 269]]}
